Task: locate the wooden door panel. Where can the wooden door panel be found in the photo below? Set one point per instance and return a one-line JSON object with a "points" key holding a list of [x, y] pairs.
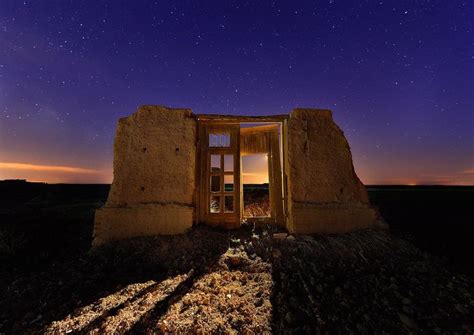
{"points": [[220, 195]]}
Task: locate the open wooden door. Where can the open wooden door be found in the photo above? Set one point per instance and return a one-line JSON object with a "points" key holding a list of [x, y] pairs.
{"points": [[220, 174], [265, 139]]}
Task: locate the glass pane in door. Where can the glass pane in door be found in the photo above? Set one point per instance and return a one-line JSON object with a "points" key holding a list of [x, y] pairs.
{"points": [[215, 163], [215, 183], [228, 163], [229, 183], [215, 204], [229, 204]]}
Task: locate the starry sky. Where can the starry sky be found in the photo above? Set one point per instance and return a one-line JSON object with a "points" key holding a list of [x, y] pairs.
{"points": [[398, 76]]}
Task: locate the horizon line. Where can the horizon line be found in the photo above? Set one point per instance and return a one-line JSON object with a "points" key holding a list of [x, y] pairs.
{"points": [[85, 183]]}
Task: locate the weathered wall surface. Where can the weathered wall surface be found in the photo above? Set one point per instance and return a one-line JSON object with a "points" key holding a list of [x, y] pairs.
{"points": [[325, 194], [154, 176]]}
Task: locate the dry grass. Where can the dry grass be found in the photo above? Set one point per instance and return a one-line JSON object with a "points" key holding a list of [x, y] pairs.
{"points": [[258, 208]]}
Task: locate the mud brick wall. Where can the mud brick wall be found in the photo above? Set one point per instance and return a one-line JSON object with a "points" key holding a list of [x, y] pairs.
{"points": [[325, 194], [154, 176]]}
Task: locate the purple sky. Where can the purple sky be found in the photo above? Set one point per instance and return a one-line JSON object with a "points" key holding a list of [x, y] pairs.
{"points": [[398, 75]]}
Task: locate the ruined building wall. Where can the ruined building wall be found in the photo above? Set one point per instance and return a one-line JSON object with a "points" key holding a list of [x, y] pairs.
{"points": [[325, 194], [154, 176]]}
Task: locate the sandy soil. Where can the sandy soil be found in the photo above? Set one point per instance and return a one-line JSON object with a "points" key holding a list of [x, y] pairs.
{"points": [[242, 282]]}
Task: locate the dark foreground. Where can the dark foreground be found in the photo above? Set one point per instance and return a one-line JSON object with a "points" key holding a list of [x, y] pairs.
{"points": [[236, 282]]}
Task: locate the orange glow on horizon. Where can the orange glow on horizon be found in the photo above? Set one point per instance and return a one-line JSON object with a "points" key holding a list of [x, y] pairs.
{"points": [[76, 174], [53, 173], [36, 167], [254, 178]]}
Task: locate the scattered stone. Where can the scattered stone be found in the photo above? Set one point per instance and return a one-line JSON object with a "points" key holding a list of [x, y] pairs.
{"points": [[460, 309], [407, 321], [38, 318], [279, 236], [276, 253], [235, 260], [406, 301], [288, 317]]}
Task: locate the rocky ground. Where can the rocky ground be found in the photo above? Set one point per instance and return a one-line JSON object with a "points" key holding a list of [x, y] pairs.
{"points": [[242, 282]]}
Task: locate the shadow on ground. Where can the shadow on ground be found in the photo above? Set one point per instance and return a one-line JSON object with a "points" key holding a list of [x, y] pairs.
{"points": [[245, 281], [89, 291]]}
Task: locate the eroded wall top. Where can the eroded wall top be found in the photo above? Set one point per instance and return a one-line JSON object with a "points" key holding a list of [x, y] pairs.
{"points": [[320, 161]]}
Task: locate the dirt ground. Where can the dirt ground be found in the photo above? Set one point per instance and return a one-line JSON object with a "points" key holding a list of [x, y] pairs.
{"points": [[418, 277], [242, 282]]}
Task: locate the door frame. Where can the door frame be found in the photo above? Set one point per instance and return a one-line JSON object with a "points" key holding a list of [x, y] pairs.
{"points": [[267, 137], [220, 123]]}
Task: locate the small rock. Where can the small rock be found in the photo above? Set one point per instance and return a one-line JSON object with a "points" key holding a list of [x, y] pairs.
{"points": [[289, 317], [235, 242], [460, 309], [290, 238], [276, 253], [406, 301], [407, 310], [186, 300], [39, 317], [361, 328], [406, 320], [306, 238], [205, 300], [29, 315], [163, 326], [467, 328], [235, 260]]}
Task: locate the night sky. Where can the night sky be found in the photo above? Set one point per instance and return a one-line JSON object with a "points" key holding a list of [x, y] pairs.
{"points": [[398, 76]]}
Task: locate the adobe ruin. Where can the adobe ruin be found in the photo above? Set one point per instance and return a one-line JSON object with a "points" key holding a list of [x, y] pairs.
{"points": [[164, 180]]}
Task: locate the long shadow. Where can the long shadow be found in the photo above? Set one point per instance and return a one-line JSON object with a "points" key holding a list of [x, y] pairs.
{"points": [[113, 311], [292, 306], [70, 293], [69, 286], [162, 306]]}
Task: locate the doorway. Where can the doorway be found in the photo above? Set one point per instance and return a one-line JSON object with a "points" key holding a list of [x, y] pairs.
{"points": [[255, 187], [230, 152]]}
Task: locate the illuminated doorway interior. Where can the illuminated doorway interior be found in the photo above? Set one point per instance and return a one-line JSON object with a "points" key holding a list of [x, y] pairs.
{"points": [[256, 188], [261, 172]]}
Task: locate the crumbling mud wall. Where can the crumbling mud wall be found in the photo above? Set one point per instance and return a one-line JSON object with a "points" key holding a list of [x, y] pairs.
{"points": [[154, 176], [324, 193]]}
